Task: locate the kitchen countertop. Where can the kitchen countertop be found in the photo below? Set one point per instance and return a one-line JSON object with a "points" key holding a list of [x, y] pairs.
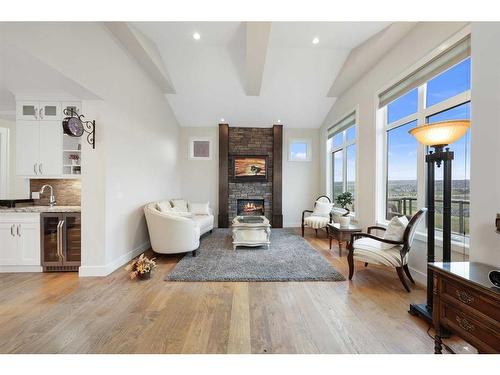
{"points": [[41, 209]]}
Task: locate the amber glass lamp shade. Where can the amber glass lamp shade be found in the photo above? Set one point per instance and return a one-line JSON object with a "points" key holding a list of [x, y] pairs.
{"points": [[440, 134]]}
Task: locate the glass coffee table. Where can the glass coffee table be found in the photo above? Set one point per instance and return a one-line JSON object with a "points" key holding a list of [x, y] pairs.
{"points": [[342, 234]]}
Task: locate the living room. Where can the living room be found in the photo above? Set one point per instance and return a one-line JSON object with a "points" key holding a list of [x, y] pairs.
{"points": [[249, 186]]}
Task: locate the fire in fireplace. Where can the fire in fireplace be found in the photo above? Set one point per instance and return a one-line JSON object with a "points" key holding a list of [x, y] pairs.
{"points": [[254, 207]]}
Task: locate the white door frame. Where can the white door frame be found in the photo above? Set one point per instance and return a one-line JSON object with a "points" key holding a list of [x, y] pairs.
{"points": [[4, 163]]}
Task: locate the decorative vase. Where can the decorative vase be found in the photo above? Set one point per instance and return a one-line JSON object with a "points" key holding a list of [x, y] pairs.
{"points": [[144, 276], [344, 221]]}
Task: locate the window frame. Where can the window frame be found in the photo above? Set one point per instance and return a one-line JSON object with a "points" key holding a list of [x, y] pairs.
{"points": [[200, 139], [420, 117], [343, 147], [307, 141]]}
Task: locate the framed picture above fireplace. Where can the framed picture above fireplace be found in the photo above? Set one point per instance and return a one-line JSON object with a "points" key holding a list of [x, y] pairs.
{"points": [[248, 168]]}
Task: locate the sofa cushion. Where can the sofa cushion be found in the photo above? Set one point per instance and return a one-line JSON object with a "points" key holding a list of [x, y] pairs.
{"points": [[316, 222], [199, 208], [164, 206], [180, 205]]}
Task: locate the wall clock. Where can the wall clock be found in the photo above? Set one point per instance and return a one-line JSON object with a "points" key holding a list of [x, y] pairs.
{"points": [[74, 125]]}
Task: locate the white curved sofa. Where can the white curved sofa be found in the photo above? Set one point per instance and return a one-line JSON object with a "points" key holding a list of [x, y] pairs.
{"points": [[173, 232]]}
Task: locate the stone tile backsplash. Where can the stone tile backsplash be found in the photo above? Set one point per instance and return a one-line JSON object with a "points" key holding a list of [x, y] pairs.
{"points": [[67, 191]]}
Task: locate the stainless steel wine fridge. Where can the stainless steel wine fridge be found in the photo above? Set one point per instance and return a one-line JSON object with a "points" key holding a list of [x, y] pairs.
{"points": [[60, 241]]}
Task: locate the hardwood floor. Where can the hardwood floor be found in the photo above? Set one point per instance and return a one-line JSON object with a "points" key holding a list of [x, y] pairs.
{"points": [[61, 313]]}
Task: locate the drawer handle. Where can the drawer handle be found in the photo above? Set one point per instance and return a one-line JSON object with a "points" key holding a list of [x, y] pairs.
{"points": [[465, 324], [465, 297]]}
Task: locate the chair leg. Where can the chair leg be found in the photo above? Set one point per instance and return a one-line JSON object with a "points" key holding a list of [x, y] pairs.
{"points": [[350, 261], [407, 271], [316, 232], [302, 230], [194, 253], [366, 264], [399, 270]]}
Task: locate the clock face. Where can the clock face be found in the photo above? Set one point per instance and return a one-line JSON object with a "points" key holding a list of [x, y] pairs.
{"points": [[73, 126]]}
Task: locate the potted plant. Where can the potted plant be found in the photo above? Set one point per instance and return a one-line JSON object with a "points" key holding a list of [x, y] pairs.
{"points": [[141, 267], [344, 200]]}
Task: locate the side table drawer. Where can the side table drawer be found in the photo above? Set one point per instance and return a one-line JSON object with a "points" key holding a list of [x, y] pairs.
{"points": [[465, 296], [484, 337]]}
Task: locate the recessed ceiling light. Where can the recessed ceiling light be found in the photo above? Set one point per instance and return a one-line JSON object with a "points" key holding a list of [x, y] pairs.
{"points": [[196, 36], [316, 40], [222, 119], [279, 121]]}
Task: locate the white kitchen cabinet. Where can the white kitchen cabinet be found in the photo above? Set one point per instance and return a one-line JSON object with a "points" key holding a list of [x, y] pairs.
{"points": [[8, 249], [49, 111], [27, 110], [39, 148], [20, 239], [51, 148], [27, 147]]}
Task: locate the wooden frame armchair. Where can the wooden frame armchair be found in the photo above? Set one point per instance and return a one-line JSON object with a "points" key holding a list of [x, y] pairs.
{"points": [[368, 248], [316, 222]]}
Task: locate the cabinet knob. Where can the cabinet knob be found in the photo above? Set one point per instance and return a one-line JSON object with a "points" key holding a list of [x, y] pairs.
{"points": [[464, 297], [465, 324]]}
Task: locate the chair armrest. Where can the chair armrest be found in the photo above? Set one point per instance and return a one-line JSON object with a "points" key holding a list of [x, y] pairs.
{"points": [[375, 227], [303, 214], [380, 239]]}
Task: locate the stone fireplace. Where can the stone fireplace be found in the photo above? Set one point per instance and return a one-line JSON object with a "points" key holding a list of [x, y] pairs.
{"points": [[250, 207]]}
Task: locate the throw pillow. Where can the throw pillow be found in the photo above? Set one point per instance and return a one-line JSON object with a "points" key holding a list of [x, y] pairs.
{"points": [[180, 205], [164, 206], [322, 209], [199, 208], [395, 230]]}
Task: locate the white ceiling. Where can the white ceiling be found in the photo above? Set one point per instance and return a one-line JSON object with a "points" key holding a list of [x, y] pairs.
{"points": [[209, 74]]}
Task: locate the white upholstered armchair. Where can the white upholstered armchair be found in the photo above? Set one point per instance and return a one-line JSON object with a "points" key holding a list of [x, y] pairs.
{"points": [[320, 216], [371, 249]]}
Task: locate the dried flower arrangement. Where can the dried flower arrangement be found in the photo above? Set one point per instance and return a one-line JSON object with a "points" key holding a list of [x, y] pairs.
{"points": [[74, 156], [141, 267]]}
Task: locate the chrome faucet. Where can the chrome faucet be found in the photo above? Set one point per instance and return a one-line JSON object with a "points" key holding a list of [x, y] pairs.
{"points": [[52, 198]]}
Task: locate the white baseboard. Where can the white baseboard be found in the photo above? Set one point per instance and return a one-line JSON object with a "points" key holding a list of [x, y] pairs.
{"points": [[8, 269], [292, 225], [419, 276], [105, 270]]}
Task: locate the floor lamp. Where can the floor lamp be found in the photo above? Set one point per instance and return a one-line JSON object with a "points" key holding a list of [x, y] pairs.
{"points": [[437, 135]]}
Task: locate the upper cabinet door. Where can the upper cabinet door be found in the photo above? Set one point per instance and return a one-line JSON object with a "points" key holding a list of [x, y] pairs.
{"points": [[48, 111], [27, 110], [51, 146], [71, 106], [27, 148]]}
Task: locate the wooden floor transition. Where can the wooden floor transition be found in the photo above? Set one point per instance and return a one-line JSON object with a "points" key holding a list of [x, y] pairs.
{"points": [[61, 313]]}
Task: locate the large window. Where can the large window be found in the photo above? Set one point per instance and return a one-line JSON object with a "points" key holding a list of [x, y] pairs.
{"points": [[442, 96], [342, 150]]}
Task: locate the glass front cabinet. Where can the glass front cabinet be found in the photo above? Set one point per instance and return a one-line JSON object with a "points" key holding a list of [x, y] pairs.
{"points": [[61, 241]]}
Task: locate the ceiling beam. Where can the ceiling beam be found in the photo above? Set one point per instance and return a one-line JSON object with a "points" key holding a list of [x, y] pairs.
{"points": [[144, 51], [365, 56], [256, 51]]}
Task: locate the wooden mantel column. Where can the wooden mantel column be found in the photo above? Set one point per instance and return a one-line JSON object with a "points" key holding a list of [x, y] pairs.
{"points": [[277, 221], [223, 218]]}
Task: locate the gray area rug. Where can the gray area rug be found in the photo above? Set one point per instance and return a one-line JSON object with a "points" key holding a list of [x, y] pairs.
{"points": [[289, 258]]}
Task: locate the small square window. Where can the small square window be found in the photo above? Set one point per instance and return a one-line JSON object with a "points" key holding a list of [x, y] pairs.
{"points": [[299, 150], [200, 149]]}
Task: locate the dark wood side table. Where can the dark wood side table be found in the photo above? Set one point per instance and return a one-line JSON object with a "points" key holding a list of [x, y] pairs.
{"points": [[465, 303], [342, 234]]}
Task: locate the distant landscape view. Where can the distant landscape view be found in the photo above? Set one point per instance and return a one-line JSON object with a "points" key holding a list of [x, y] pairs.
{"points": [[402, 199]]}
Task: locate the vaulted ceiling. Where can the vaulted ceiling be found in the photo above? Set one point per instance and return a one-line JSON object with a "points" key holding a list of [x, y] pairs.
{"points": [[256, 73]]}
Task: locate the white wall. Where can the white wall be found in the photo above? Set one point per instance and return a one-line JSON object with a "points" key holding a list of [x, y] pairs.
{"points": [[300, 178], [418, 43], [135, 160], [199, 178], [18, 187], [485, 141]]}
